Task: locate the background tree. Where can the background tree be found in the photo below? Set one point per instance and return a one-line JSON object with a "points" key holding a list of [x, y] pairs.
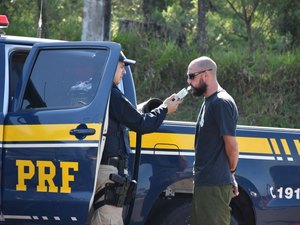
{"points": [[96, 20], [245, 10], [22, 15], [285, 23], [42, 27], [152, 8], [202, 11], [266, 90]]}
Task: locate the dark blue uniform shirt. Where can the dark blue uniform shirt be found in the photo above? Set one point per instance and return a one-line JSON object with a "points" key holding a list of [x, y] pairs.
{"points": [[123, 115]]}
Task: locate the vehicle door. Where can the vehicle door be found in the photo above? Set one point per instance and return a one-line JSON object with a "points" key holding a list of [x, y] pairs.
{"points": [[52, 135], [2, 91], [9, 54]]}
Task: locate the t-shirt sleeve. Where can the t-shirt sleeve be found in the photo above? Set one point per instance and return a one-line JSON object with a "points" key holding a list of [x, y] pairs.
{"points": [[226, 116]]}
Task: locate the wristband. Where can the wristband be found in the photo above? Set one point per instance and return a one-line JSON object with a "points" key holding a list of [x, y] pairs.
{"points": [[164, 105]]}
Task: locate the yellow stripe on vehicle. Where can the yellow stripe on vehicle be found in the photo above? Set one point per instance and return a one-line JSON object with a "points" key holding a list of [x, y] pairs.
{"points": [[275, 146], [46, 132], [186, 142], [132, 139], [254, 145], [1, 133], [165, 141], [285, 146], [297, 144]]}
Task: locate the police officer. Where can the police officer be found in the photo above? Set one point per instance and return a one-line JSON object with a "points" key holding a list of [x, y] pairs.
{"points": [[122, 115]]}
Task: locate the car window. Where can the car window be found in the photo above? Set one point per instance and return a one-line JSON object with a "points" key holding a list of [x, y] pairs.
{"points": [[17, 60], [66, 78]]}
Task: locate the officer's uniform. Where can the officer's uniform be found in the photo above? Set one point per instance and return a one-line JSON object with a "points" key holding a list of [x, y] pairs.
{"points": [[122, 115]]}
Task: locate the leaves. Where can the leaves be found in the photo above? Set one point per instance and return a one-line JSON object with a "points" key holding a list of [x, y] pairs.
{"points": [[266, 88]]}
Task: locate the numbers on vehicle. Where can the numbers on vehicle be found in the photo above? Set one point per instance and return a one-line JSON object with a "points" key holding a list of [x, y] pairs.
{"points": [[284, 192]]}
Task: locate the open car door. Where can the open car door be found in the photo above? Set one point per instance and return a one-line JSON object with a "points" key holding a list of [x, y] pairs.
{"points": [[53, 132], [2, 108]]}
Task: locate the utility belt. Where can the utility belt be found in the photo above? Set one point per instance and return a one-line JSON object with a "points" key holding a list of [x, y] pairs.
{"points": [[120, 163], [119, 193]]}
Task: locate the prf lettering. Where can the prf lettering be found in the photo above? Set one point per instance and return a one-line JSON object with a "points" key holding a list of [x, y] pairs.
{"points": [[46, 172]]}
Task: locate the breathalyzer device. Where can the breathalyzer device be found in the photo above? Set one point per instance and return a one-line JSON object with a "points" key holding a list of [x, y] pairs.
{"points": [[182, 93]]}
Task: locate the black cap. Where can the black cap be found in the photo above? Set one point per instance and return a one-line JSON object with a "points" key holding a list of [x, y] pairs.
{"points": [[123, 59]]}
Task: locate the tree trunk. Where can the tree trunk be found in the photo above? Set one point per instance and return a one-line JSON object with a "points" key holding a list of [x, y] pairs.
{"points": [[96, 20], [107, 20], [248, 23], [250, 38], [247, 16], [147, 7], [42, 29], [201, 36]]}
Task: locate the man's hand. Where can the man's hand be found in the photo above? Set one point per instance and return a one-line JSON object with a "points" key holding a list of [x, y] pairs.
{"points": [[171, 104], [235, 187]]}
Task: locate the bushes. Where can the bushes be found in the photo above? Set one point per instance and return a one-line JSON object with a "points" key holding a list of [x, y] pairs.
{"points": [[266, 90], [161, 65]]}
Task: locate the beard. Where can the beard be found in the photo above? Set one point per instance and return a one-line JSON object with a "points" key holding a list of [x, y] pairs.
{"points": [[199, 91]]}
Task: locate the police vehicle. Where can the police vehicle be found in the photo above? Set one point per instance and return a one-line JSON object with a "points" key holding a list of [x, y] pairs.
{"points": [[53, 118]]}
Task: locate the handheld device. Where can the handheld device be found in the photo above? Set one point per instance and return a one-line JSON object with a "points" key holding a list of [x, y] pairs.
{"points": [[182, 93]]}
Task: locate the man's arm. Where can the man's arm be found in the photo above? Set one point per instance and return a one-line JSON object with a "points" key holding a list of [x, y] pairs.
{"points": [[232, 151]]}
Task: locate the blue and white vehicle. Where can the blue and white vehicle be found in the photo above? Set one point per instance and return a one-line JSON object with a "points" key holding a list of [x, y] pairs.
{"points": [[53, 118]]}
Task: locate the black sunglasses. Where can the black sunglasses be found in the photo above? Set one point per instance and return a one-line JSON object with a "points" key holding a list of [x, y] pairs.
{"points": [[191, 76]]}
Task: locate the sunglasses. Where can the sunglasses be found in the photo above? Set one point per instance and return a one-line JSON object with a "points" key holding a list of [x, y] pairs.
{"points": [[191, 76]]}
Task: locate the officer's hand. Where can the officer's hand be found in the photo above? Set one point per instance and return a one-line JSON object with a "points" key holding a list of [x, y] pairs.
{"points": [[171, 104]]}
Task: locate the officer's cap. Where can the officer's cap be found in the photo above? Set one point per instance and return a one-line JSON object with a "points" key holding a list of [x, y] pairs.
{"points": [[123, 59]]}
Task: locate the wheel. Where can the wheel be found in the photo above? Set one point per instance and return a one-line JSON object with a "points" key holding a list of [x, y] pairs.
{"points": [[242, 212], [170, 212], [179, 212], [233, 220], [181, 215]]}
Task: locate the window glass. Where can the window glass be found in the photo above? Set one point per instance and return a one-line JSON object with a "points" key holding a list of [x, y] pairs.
{"points": [[17, 60], [65, 78]]}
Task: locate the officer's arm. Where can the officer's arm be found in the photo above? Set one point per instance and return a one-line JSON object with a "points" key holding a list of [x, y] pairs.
{"points": [[124, 112]]}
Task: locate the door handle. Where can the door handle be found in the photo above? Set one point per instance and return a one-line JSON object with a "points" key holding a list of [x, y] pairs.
{"points": [[82, 131]]}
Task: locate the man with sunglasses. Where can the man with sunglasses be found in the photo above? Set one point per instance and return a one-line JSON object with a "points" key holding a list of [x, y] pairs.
{"points": [[216, 149]]}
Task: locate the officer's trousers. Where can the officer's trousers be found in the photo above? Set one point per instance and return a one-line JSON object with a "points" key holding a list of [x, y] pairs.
{"points": [[107, 214]]}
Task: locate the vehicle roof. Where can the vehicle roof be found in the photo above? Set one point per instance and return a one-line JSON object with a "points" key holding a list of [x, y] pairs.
{"points": [[24, 40]]}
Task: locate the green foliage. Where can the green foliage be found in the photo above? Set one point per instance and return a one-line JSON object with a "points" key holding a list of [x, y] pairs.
{"points": [[159, 63], [128, 9], [22, 15], [265, 91], [63, 18], [286, 20]]}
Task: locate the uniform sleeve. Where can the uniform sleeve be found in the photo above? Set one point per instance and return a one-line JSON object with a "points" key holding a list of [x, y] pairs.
{"points": [[124, 112], [226, 116]]}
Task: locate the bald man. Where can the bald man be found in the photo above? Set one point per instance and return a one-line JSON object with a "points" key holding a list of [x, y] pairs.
{"points": [[216, 149]]}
